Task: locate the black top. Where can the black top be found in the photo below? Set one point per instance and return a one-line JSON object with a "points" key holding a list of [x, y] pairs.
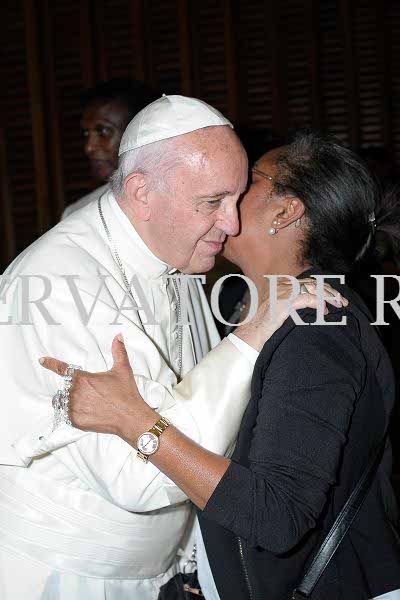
{"points": [[320, 403]]}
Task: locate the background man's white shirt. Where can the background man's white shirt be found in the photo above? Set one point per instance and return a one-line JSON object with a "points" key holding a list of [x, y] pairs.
{"points": [[85, 200]]}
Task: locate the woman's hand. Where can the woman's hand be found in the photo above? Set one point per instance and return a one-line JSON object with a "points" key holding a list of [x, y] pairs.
{"points": [[270, 316], [110, 402], [107, 402]]}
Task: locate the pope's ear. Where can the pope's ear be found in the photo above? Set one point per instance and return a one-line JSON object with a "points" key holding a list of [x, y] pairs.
{"points": [[137, 195]]}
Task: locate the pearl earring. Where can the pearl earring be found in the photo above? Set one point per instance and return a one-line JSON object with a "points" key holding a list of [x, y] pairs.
{"points": [[298, 223], [272, 231]]}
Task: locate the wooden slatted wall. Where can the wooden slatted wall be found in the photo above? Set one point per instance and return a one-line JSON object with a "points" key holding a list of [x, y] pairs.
{"points": [[268, 65], [392, 35], [19, 166]]}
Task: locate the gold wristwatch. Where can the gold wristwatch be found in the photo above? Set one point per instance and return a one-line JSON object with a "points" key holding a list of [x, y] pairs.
{"points": [[148, 443]]}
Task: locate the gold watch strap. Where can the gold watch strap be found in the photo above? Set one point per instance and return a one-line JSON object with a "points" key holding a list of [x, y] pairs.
{"points": [[142, 456], [158, 428]]}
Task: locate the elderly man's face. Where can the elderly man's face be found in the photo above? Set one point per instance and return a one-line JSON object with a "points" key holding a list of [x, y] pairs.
{"points": [[190, 222], [103, 124]]}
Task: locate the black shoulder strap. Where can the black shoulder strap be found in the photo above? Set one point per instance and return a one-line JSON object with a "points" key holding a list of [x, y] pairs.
{"points": [[339, 528]]}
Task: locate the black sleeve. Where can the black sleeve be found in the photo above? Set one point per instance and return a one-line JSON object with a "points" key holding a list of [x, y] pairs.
{"points": [[309, 394]]}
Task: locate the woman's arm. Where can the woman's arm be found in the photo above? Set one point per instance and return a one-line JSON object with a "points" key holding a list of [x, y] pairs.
{"points": [[109, 402], [297, 429]]}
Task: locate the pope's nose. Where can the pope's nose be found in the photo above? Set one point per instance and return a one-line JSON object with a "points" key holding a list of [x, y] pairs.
{"points": [[230, 223]]}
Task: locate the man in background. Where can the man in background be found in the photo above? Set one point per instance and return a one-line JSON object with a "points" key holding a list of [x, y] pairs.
{"points": [[107, 110]]}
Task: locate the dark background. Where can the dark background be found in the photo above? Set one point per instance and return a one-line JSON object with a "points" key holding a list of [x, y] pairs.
{"points": [[270, 64]]}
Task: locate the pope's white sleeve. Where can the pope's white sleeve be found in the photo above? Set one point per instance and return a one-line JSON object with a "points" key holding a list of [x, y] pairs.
{"points": [[249, 351], [207, 406]]}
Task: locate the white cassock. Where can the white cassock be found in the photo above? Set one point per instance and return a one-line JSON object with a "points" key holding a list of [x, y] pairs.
{"points": [[85, 200], [81, 517]]}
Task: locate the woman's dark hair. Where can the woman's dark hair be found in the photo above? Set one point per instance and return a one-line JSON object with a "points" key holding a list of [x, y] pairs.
{"points": [[341, 199], [388, 218]]}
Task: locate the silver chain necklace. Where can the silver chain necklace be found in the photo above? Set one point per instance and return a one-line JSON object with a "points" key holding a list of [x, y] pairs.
{"points": [[180, 327], [120, 266]]}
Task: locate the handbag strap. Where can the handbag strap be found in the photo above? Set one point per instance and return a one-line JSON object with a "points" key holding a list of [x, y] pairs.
{"points": [[340, 527]]}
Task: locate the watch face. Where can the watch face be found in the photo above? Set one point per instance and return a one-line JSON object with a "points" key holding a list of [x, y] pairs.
{"points": [[148, 443]]}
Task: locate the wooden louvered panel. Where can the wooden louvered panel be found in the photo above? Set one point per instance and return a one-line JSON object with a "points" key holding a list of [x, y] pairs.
{"points": [[114, 32], [369, 80], [210, 65], [298, 61], [53, 121], [38, 120], [253, 64], [333, 89], [138, 35], [268, 65], [71, 77], [19, 150], [385, 75], [162, 20], [230, 61], [7, 230], [393, 20], [185, 46]]}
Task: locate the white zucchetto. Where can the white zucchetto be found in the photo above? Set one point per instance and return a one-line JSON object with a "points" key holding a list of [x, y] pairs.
{"points": [[168, 117]]}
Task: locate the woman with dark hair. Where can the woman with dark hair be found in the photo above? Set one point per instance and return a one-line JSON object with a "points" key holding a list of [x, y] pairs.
{"points": [[322, 395]]}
